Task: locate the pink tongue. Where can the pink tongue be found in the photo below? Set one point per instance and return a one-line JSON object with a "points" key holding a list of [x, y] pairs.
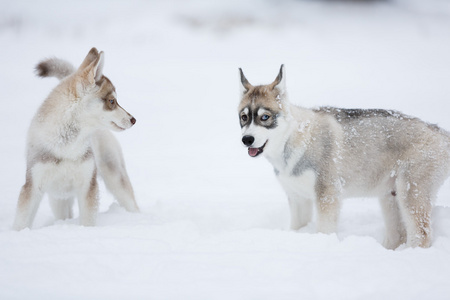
{"points": [[252, 151]]}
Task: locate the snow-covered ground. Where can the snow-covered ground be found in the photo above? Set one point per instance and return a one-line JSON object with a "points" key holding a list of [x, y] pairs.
{"points": [[214, 221]]}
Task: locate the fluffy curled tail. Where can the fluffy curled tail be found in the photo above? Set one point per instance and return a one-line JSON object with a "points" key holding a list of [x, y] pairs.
{"points": [[54, 67]]}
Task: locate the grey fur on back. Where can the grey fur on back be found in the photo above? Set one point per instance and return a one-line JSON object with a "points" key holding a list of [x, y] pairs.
{"points": [[376, 142], [54, 67]]}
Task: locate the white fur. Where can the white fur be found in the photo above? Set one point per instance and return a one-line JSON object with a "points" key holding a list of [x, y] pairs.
{"points": [[63, 148]]}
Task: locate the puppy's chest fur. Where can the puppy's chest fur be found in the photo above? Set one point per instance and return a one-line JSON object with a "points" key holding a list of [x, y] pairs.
{"points": [[307, 159], [62, 177], [60, 157]]}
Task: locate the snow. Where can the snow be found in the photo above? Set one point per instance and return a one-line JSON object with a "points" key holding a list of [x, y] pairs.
{"points": [[214, 222]]}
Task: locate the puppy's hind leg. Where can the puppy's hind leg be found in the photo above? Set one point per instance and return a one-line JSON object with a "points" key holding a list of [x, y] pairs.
{"points": [[395, 229], [27, 206], [120, 186], [62, 208], [111, 167], [415, 196]]}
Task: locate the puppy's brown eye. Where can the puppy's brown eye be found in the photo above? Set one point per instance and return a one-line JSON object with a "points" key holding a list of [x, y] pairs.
{"points": [[244, 118]]}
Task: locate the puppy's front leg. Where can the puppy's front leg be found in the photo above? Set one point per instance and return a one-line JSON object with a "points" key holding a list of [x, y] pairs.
{"points": [[88, 202], [328, 208], [27, 206]]}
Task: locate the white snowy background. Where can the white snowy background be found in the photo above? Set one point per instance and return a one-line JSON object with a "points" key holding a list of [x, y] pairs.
{"points": [[214, 222]]}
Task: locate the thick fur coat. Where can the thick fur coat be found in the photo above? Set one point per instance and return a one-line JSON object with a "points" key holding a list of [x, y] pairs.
{"points": [[321, 156], [69, 143]]}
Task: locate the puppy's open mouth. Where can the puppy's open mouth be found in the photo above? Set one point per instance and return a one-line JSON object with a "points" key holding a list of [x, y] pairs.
{"points": [[253, 152]]}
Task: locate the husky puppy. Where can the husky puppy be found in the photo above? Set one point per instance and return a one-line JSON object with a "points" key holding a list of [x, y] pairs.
{"points": [[69, 142], [323, 155]]}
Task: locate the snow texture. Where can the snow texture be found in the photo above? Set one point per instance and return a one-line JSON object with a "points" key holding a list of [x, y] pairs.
{"points": [[214, 221]]}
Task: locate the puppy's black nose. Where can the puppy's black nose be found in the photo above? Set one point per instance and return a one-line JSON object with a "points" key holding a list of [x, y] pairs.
{"points": [[133, 121], [248, 140]]}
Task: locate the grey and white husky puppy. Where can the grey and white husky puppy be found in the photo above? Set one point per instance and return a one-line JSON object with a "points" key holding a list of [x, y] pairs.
{"points": [[323, 155], [69, 142]]}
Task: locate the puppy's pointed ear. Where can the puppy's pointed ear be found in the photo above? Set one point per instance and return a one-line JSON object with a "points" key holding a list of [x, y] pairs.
{"points": [[280, 81], [98, 69], [245, 85], [94, 72], [90, 57]]}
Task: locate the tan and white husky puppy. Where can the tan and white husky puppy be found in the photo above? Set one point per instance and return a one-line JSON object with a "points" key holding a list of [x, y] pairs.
{"points": [[323, 155], [69, 142]]}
